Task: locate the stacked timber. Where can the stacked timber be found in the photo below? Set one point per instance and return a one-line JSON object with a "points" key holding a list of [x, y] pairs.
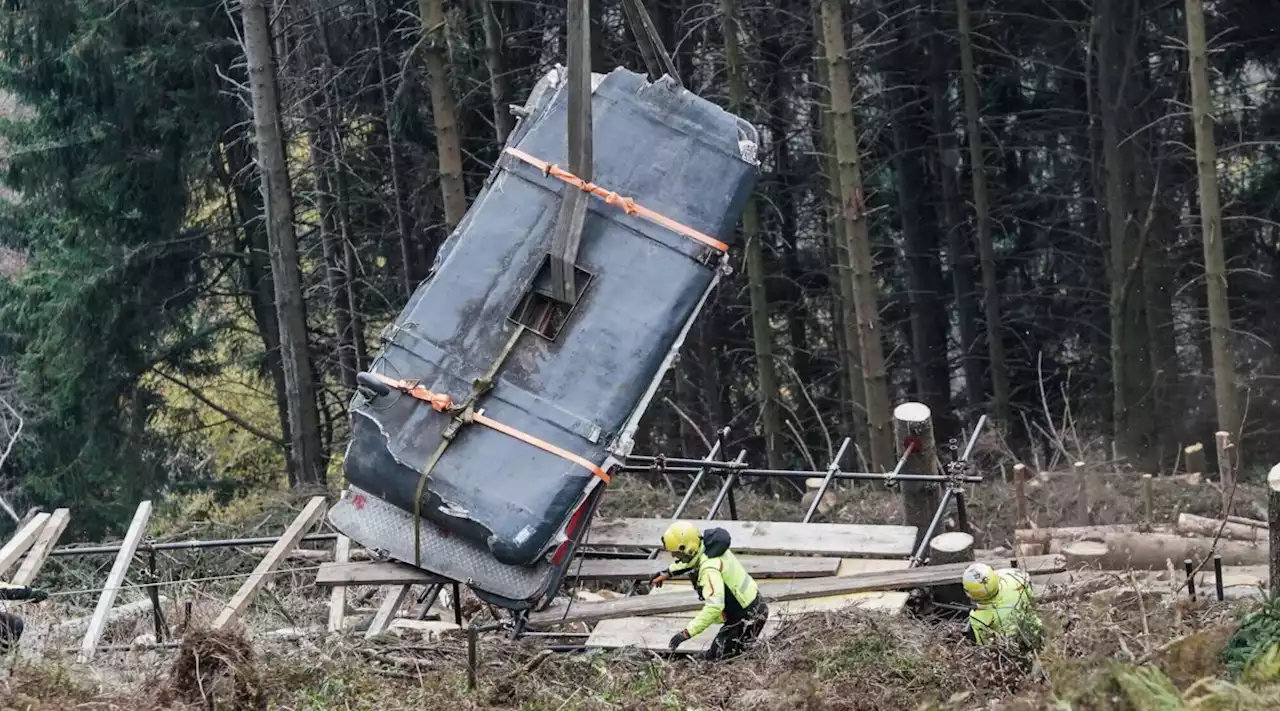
{"points": [[1240, 542]]}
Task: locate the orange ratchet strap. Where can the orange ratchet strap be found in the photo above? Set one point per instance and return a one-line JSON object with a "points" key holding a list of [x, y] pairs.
{"points": [[441, 402], [628, 205]]}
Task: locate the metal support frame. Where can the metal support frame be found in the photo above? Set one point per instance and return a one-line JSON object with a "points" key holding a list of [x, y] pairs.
{"points": [[726, 492], [826, 481]]}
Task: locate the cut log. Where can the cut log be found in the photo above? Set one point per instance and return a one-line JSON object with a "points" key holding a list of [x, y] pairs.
{"points": [[927, 576], [1247, 521], [1153, 551], [1200, 526], [1028, 550], [1065, 534], [1084, 554], [124, 612]]}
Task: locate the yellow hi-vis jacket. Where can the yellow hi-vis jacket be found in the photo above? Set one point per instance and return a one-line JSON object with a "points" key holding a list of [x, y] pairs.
{"points": [[723, 585], [1010, 613]]}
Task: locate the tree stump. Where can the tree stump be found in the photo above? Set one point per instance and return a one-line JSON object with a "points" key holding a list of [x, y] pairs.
{"points": [[1194, 458], [1085, 554], [913, 425], [1226, 471], [1273, 520], [1020, 494], [953, 547], [1082, 476]]}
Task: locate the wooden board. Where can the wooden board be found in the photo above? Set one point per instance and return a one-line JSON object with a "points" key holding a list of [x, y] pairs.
{"points": [[831, 539], [654, 634], [391, 602], [21, 541], [115, 579], [338, 596], [39, 552], [600, 569], [789, 590], [313, 511]]}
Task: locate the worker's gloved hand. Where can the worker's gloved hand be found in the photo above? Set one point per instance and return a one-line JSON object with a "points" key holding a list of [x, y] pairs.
{"points": [[659, 579], [678, 639], [39, 595]]}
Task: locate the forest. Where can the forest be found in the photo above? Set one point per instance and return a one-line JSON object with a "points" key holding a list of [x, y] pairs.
{"points": [[1057, 213]]}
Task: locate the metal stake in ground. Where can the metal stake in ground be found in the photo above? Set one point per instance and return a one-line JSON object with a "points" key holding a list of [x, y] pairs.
{"points": [[913, 430]]}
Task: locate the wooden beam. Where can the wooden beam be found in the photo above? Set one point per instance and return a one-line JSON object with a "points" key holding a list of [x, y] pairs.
{"points": [[829, 539], [646, 605], [653, 634], [387, 611], [338, 596], [313, 511], [601, 569], [115, 579], [21, 541], [39, 552]]}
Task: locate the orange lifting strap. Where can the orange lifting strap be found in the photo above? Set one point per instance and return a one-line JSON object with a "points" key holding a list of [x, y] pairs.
{"points": [[628, 205], [441, 402]]}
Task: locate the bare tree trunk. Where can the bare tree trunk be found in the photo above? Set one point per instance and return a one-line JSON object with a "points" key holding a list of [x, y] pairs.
{"points": [[1215, 270], [761, 332], [959, 248], [444, 110], [858, 239], [850, 350], [494, 60], [304, 415], [928, 318], [986, 249], [412, 273], [322, 121], [257, 266], [1111, 91]]}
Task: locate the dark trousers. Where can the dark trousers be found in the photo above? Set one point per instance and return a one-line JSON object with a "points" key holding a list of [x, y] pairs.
{"points": [[10, 632], [737, 636]]}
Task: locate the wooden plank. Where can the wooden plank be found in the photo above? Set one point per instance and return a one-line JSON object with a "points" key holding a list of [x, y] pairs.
{"points": [[927, 576], [115, 579], [381, 621], [21, 541], [757, 566], [338, 596], [601, 569], [654, 634], [39, 552], [288, 541], [380, 573], [775, 537]]}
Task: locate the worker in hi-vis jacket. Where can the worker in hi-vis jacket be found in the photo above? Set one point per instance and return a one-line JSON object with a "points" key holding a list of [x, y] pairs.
{"points": [[1004, 606], [728, 594], [10, 624]]}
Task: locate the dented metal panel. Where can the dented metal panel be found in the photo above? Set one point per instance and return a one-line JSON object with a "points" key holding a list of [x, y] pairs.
{"points": [[583, 389]]}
